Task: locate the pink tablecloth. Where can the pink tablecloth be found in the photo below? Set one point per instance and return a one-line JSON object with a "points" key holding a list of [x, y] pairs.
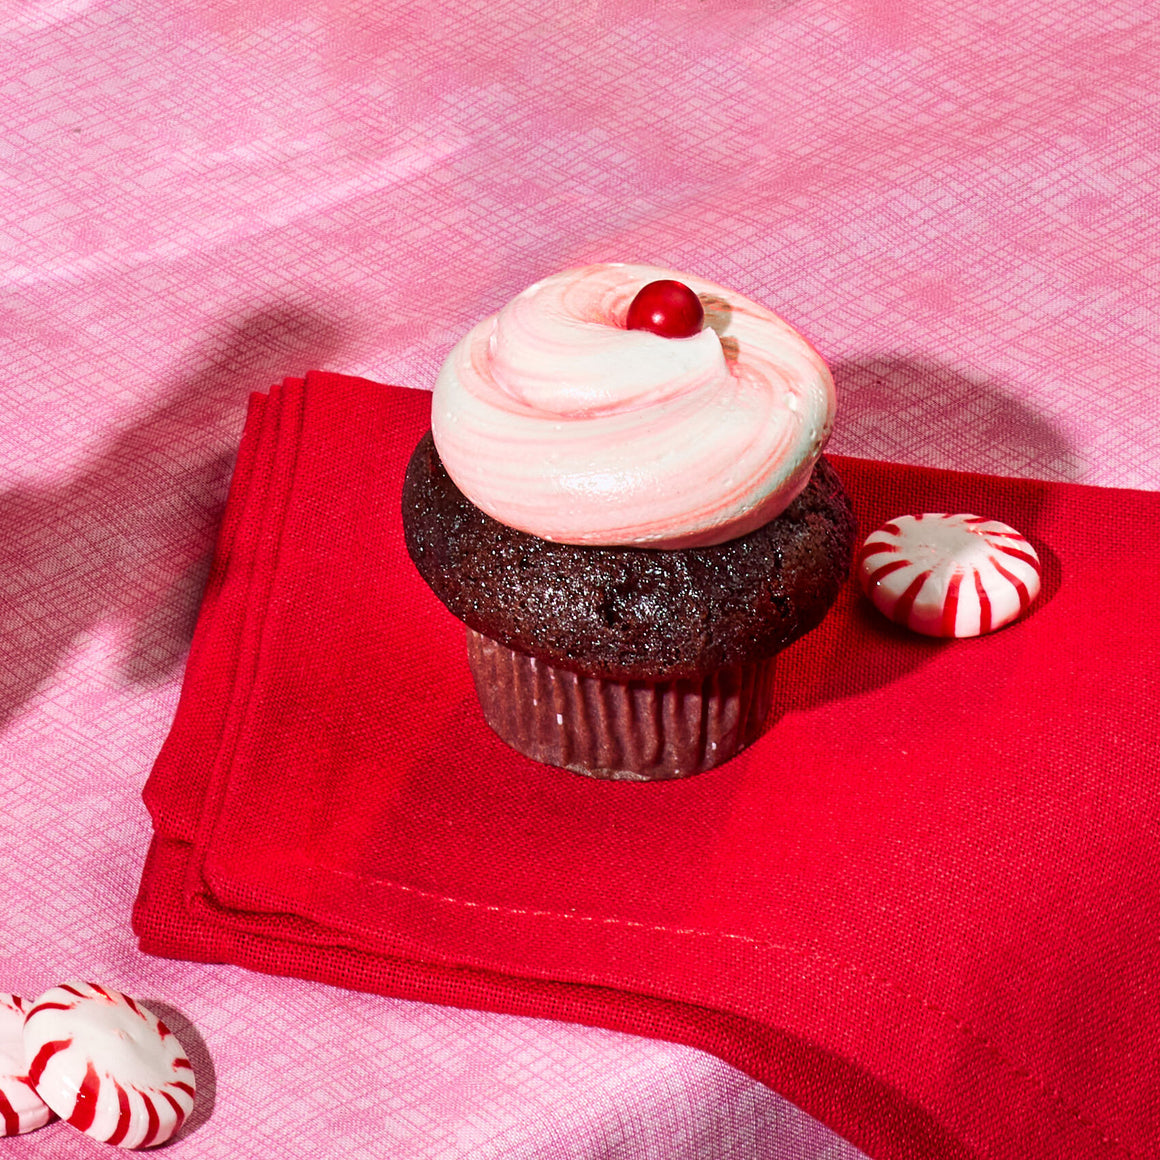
{"points": [[955, 201]]}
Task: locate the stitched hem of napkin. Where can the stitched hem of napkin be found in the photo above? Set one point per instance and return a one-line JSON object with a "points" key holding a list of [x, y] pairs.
{"points": [[203, 900]]}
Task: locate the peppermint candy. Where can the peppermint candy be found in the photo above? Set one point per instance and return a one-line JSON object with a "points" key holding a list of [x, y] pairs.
{"points": [[107, 1066], [21, 1109], [949, 575]]}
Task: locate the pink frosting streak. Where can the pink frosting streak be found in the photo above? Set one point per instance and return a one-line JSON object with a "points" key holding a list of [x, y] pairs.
{"points": [[554, 419]]}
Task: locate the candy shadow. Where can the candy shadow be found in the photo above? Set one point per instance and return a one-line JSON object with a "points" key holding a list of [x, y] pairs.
{"points": [[198, 1054], [882, 402]]}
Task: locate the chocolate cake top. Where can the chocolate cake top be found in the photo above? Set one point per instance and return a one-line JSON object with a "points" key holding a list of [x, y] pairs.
{"points": [[630, 613]]}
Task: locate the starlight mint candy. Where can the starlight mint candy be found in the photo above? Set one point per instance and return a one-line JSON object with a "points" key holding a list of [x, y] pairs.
{"points": [[949, 575], [623, 497], [21, 1109], [107, 1065]]}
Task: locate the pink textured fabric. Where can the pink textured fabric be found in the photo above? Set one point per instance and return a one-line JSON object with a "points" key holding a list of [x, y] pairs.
{"points": [[954, 201]]}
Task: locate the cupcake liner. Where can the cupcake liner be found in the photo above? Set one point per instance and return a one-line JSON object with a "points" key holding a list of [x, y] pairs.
{"points": [[626, 730]]}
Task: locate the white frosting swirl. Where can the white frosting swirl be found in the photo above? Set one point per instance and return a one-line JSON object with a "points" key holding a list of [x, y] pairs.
{"points": [[554, 419]]}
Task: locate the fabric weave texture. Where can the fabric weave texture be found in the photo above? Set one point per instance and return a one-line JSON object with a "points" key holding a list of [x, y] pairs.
{"points": [[928, 925], [954, 201]]}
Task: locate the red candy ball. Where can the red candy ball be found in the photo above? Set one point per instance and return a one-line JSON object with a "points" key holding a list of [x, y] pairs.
{"points": [[667, 308]]}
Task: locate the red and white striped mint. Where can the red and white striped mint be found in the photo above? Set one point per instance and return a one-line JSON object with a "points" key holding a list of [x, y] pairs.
{"points": [[107, 1065], [21, 1109], [949, 575]]}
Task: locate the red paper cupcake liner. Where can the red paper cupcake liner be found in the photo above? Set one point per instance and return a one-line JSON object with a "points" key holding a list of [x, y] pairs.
{"points": [[627, 730]]}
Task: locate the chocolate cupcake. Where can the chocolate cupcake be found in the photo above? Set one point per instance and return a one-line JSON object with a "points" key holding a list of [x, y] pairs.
{"points": [[631, 525]]}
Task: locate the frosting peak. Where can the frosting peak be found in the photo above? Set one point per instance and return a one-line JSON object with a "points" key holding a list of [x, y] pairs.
{"points": [[555, 419]]}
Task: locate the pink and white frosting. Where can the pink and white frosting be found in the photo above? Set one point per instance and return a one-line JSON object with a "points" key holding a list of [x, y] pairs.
{"points": [[555, 419]]}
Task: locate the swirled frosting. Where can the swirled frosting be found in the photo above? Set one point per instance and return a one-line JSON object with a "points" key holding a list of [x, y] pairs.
{"points": [[554, 419]]}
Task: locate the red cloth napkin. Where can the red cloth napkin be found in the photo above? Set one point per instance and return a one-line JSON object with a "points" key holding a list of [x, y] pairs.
{"points": [[924, 906]]}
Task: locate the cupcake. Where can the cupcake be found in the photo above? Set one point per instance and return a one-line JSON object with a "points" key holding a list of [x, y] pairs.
{"points": [[623, 497]]}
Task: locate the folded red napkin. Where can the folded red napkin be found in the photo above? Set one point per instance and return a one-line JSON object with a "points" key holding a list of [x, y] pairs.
{"points": [[924, 906]]}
